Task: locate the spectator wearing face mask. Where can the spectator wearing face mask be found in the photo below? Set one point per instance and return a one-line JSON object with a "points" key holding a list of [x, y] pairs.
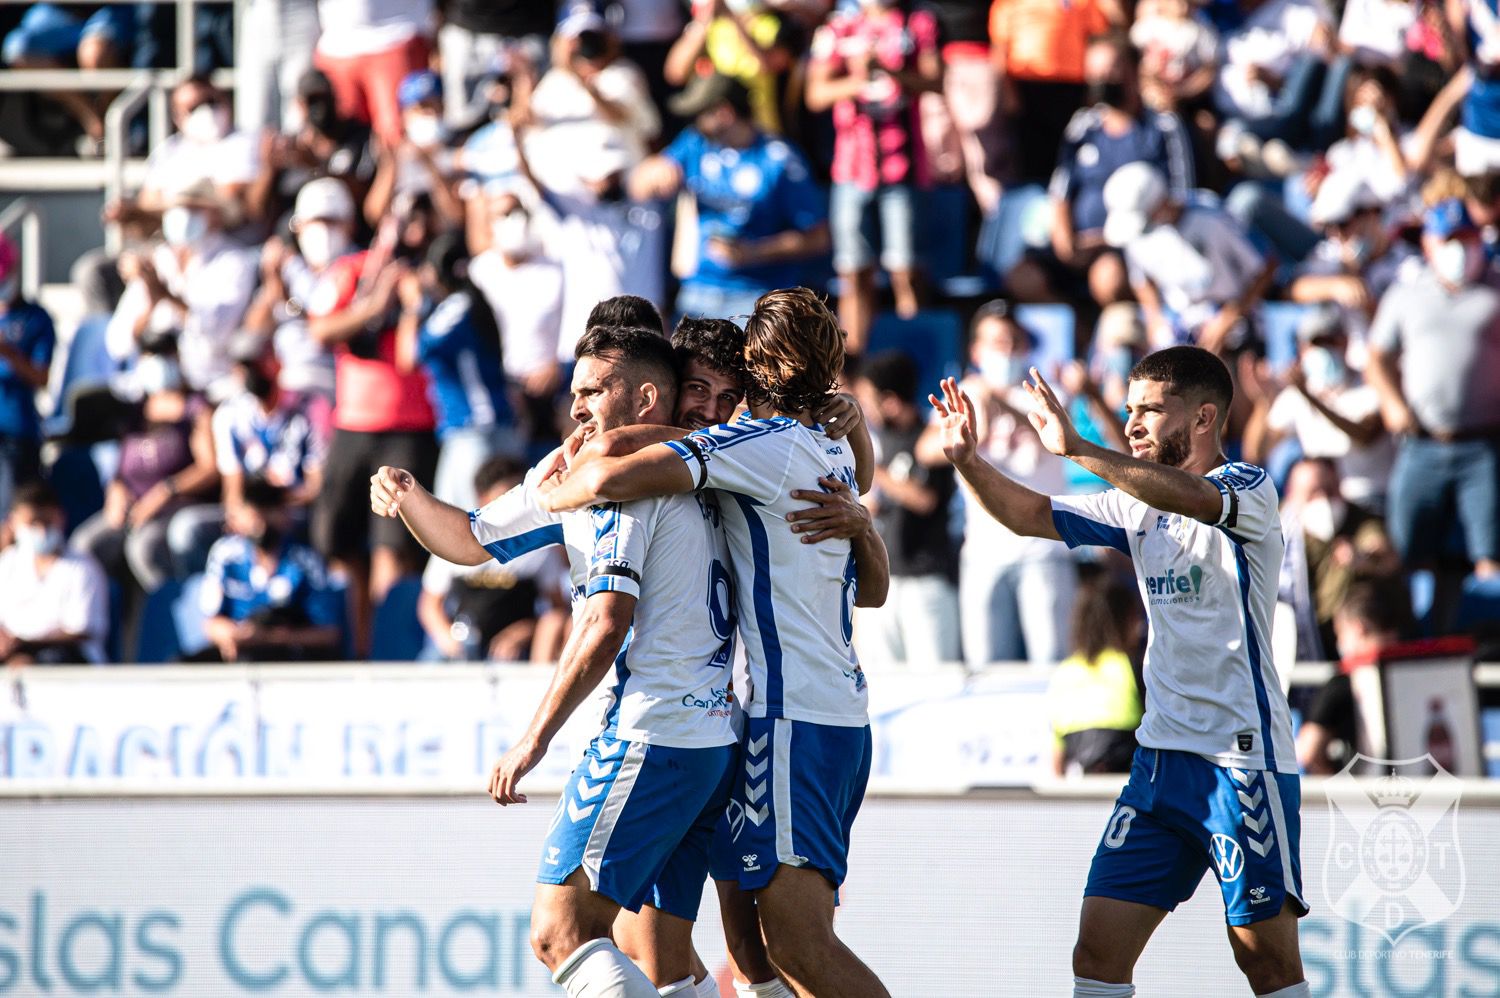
{"points": [[367, 48], [1112, 131], [26, 343], [54, 605], [448, 329], [422, 162], [524, 290], [199, 282], [317, 143], [322, 230], [1329, 410], [266, 597], [205, 149], [759, 212], [1014, 593], [1326, 540], [1194, 270], [1435, 363]]}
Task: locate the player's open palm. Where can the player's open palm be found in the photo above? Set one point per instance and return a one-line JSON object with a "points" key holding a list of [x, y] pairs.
{"points": [[388, 487], [955, 419], [1050, 417]]}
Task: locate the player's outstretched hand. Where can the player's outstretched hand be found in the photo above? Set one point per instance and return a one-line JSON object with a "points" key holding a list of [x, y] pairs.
{"points": [[840, 415], [1050, 418], [520, 760], [388, 488], [836, 512], [955, 412]]}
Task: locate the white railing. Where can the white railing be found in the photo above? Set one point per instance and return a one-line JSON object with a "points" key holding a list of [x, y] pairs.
{"points": [[22, 214]]}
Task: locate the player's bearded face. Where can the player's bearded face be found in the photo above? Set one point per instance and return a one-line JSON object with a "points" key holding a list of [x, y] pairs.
{"points": [[705, 398], [602, 399], [1158, 425]]}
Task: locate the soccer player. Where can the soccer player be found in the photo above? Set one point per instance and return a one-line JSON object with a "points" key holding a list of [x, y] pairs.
{"points": [[806, 743], [1214, 782]]}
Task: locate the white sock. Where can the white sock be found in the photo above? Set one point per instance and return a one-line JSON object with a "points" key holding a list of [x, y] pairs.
{"points": [[1301, 990], [685, 988], [598, 970], [1085, 988], [708, 987], [770, 989]]}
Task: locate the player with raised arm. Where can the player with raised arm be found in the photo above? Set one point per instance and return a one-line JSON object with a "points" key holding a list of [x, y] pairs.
{"points": [[807, 738], [1214, 782]]}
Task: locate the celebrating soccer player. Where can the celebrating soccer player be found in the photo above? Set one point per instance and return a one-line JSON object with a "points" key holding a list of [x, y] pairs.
{"points": [[1214, 782]]}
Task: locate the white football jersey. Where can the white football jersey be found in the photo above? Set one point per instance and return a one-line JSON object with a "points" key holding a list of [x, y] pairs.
{"points": [[796, 600], [1209, 590], [671, 678]]}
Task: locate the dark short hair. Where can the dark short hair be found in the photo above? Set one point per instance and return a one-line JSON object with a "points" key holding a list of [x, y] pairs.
{"points": [[892, 371], [37, 494], [1378, 604], [630, 311], [646, 353], [263, 494], [496, 469], [1189, 371], [1119, 40], [719, 343]]}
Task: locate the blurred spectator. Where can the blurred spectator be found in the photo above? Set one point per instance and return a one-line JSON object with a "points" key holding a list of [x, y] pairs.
{"points": [[204, 149], [1179, 52], [367, 48], [524, 290], [317, 143], [381, 416], [448, 329], [1112, 132], [508, 612], [1038, 50], [166, 462], [1119, 343], [54, 606], [1366, 621], [742, 39], [1374, 32], [1015, 593], [198, 284], [1370, 151], [1329, 410], [51, 36], [265, 432], [1327, 541], [322, 231], [1093, 696], [759, 213], [274, 44], [1276, 90], [1435, 363], [971, 90], [911, 502], [479, 34], [1476, 142], [488, 156], [1196, 273], [27, 340], [870, 65], [422, 162], [266, 597]]}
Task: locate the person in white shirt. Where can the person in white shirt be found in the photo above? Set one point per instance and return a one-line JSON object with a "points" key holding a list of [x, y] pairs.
{"points": [[199, 282], [54, 605], [1196, 273], [1214, 783]]}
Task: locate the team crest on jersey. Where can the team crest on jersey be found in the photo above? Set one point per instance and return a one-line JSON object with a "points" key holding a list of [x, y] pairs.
{"points": [[1394, 861]]}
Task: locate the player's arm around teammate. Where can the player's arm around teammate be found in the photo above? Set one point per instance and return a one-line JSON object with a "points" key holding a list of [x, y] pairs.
{"points": [[442, 529]]}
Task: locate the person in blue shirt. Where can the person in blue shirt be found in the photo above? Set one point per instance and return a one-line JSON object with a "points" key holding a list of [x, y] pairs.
{"points": [[26, 343], [266, 597], [760, 215], [448, 328]]}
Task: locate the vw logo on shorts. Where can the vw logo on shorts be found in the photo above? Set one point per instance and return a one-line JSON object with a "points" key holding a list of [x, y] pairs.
{"points": [[1228, 858]]}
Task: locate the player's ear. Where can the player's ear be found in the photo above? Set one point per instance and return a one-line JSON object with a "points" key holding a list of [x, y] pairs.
{"points": [[1208, 418], [648, 397]]}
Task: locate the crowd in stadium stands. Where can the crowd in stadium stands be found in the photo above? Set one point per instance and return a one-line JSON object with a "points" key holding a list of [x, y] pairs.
{"points": [[382, 248]]}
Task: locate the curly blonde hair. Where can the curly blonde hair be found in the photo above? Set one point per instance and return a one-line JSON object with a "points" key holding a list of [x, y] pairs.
{"points": [[794, 351]]}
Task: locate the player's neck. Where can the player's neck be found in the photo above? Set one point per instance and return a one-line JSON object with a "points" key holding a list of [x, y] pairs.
{"points": [[1202, 464], [771, 412]]}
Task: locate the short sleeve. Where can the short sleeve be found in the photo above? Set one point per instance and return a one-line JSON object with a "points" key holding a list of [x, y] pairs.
{"points": [[41, 338], [743, 457], [1098, 519], [86, 610], [517, 523], [1251, 507], [685, 151], [622, 537], [436, 338], [1385, 329]]}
